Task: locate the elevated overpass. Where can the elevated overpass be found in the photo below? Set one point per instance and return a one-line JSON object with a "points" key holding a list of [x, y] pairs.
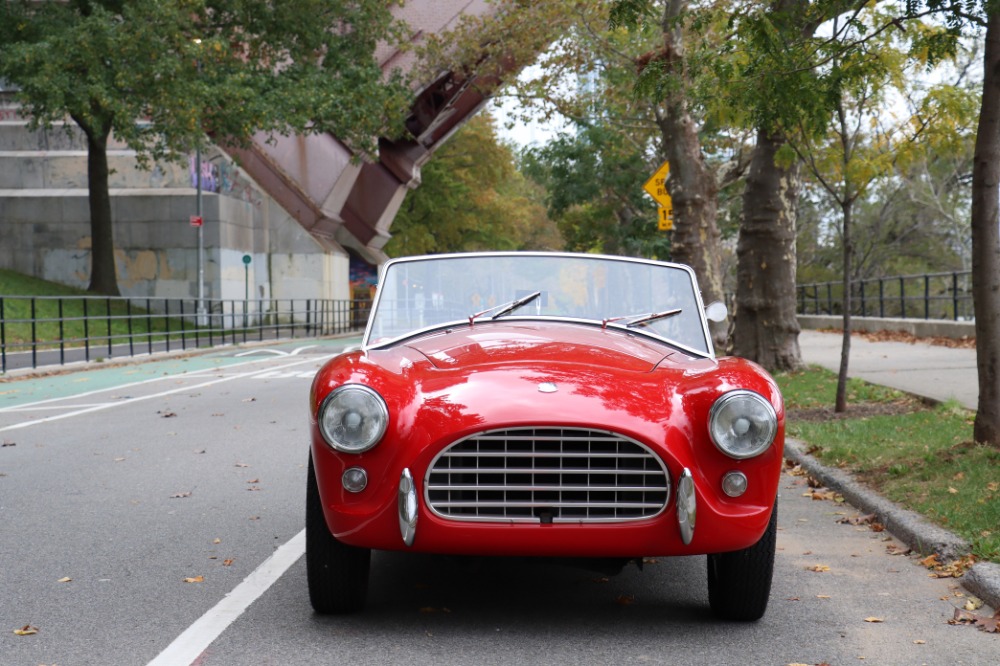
{"points": [[351, 199]]}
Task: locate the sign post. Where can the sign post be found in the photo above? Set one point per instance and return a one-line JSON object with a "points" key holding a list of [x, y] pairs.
{"points": [[656, 187], [246, 287]]}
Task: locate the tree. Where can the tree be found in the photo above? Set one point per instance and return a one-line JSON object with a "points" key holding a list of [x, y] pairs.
{"points": [[472, 197], [161, 76], [986, 240], [591, 179], [664, 76]]}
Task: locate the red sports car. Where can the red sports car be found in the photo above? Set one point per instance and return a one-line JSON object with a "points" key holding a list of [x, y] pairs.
{"points": [[543, 404]]}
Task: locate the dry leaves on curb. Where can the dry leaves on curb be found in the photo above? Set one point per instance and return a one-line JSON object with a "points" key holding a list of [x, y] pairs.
{"points": [[953, 569]]}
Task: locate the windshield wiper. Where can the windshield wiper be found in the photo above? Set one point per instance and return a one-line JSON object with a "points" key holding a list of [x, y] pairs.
{"points": [[633, 321], [506, 308]]}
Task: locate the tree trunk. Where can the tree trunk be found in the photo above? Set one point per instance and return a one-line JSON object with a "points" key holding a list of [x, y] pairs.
{"points": [[840, 403], [103, 277], [691, 185], [766, 329], [986, 243]]}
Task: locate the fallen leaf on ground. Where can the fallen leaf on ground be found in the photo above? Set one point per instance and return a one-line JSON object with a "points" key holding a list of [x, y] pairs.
{"points": [[972, 603], [227, 562], [195, 579], [985, 623], [7, 443], [64, 579], [180, 495], [874, 620], [993, 485], [953, 491], [167, 415], [239, 464], [953, 569], [919, 642], [896, 549], [625, 599], [26, 630], [822, 596], [818, 568], [249, 399], [857, 520]]}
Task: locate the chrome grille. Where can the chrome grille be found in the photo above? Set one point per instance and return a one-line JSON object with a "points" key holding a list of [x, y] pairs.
{"points": [[543, 475]]}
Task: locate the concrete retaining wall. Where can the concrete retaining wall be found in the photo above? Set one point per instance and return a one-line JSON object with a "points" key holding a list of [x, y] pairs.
{"points": [[922, 328], [45, 217]]}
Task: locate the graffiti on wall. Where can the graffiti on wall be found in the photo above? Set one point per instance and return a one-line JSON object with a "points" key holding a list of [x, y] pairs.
{"points": [[221, 176]]}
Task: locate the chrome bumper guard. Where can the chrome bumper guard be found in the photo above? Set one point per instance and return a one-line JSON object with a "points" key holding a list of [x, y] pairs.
{"points": [[686, 506], [407, 502]]}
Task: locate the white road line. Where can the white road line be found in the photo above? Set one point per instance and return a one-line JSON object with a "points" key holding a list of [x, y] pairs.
{"points": [[128, 401], [187, 647]]}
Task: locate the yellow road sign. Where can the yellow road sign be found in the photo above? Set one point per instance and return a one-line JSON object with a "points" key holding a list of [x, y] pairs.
{"points": [[656, 187], [665, 219]]}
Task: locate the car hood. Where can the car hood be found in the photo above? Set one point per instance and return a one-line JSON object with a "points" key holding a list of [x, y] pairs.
{"points": [[502, 343]]}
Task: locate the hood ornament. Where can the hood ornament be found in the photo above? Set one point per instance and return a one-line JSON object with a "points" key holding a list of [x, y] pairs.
{"points": [[548, 387]]}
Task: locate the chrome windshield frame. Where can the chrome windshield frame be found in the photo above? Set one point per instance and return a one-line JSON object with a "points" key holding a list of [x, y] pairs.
{"points": [[463, 322]]}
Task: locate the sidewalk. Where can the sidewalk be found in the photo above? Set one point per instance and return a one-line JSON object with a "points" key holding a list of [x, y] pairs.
{"points": [[930, 371]]}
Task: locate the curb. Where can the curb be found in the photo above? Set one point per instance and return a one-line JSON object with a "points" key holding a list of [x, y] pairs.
{"points": [[982, 579]]}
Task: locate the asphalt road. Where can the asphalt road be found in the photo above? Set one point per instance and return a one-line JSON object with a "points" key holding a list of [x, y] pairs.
{"points": [[128, 481]]}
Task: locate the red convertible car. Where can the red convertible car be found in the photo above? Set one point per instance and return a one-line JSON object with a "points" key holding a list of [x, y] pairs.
{"points": [[546, 405]]}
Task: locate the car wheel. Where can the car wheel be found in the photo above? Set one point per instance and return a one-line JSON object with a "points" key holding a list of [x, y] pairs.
{"points": [[739, 583], [337, 573]]}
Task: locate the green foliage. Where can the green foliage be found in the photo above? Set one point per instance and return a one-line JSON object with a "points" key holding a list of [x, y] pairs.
{"points": [[594, 185], [472, 198], [162, 74]]}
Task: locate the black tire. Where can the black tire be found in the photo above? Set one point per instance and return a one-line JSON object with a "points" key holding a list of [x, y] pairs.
{"points": [[337, 573], [739, 583]]}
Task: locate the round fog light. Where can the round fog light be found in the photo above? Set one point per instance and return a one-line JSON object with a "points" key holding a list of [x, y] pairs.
{"points": [[355, 479], [734, 484]]}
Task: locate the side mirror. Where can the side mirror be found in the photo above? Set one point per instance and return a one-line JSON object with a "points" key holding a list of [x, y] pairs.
{"points": [[716, 312]]}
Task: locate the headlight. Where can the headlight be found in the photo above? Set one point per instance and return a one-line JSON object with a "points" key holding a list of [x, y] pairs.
{"points": [[353, 418], [742, 424]]}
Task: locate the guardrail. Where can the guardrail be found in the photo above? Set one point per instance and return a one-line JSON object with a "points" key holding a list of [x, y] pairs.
{"points": [[54, 330], [930, 296]]}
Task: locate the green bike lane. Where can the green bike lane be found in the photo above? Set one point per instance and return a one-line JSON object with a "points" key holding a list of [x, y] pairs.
{"points": [[62, 383]]}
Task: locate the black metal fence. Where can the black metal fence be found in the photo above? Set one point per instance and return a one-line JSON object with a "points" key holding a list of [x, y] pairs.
{"points": [[929, 296], [51, 330]]}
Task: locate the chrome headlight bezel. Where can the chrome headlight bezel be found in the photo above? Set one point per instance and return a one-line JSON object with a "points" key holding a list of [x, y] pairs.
{"points": [[361, 401], [742, 424]]}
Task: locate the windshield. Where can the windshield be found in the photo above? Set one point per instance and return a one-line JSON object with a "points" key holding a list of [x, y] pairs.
{"points": [[425, 292]]}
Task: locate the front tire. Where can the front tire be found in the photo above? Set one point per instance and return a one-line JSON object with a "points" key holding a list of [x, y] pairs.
{"points": [[337, 573], [739, 583]]}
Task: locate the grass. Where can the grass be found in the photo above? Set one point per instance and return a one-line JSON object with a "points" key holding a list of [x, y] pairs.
{"points": [[920, 457], [70, 315]]}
